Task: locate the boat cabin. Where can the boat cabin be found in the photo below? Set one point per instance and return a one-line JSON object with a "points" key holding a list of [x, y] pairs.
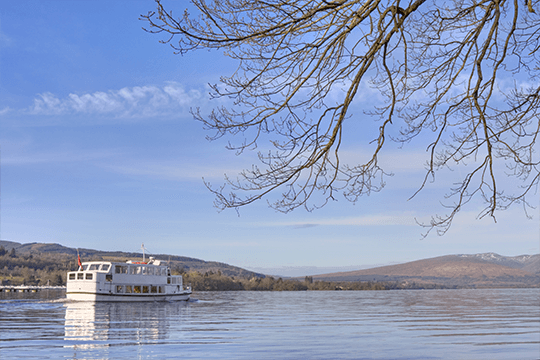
{"points": [[123, 279]]}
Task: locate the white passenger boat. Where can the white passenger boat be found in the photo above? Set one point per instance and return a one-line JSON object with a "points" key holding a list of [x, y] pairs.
{"points": [[129, 281]]}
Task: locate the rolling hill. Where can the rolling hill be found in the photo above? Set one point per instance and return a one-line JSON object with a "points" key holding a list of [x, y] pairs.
{"points": [[177, 262], [478, 270]]}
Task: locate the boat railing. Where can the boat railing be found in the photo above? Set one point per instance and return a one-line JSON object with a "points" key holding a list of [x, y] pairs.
{"points": [[28, 288]]}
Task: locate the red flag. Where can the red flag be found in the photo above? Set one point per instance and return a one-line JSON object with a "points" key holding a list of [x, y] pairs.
{"points": [[79, 259]]}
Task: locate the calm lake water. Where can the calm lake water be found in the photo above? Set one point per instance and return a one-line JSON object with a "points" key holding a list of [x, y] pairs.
{"points": [[416, 324]]}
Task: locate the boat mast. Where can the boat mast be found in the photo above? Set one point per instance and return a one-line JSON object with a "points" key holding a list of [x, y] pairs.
{"points": [[143, 249]]}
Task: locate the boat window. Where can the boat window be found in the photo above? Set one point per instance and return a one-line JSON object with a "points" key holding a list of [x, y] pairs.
{"points": [[137, 289], [121, 269], [94, 267], [139, 269], [132, 270], [128, 289], [89, 276], [150, 271], [153, 289], [163, 271], [72, 276], [119, 289], [105, 267], [80, 276], [145, 289], [161, 289], [108, 277], [168, 280], [84, 267]]}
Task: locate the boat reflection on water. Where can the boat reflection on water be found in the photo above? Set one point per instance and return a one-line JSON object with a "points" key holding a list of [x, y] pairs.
{"points": [[91, 325]]}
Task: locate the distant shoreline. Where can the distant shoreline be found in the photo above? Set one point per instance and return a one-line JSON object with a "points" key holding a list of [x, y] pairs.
{"points": [[40, 264]]}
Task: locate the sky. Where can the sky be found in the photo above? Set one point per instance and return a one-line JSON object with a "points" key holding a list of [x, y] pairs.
{"points": [[99, 150]]}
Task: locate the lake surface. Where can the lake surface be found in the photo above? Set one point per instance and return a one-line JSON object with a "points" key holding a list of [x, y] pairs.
{"points": [[406, 324]]}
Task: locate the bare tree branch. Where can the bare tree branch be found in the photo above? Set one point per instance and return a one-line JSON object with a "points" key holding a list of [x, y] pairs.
{"points": [[442, 69]]}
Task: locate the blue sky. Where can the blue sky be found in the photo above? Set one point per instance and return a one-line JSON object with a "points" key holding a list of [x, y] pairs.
{"points": [[98, 150]]}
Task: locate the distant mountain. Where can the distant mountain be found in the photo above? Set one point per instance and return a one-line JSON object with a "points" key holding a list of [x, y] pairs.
{"points": [[479, 270], [177, 262], [530, 263], [302, 271], [8, 245]]}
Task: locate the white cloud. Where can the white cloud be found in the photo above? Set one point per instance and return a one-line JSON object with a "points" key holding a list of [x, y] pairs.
{"points": [[30, 158], [172, 170], [5, 40], [139, 101], [406, 219]]}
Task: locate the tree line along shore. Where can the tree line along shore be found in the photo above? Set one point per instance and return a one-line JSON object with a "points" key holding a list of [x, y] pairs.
{"points": [[51, 269], [210, 281]]}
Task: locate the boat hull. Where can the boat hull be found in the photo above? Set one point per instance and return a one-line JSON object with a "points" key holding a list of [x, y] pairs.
{"points": [[81, 296]]}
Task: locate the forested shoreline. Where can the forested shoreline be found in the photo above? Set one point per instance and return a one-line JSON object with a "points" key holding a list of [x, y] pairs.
{"points": [[27, 269], [211, 281], [51, 269]]}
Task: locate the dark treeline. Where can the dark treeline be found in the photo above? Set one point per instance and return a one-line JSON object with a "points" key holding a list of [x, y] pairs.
{"points": [[216, 281], [28, 269]]}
